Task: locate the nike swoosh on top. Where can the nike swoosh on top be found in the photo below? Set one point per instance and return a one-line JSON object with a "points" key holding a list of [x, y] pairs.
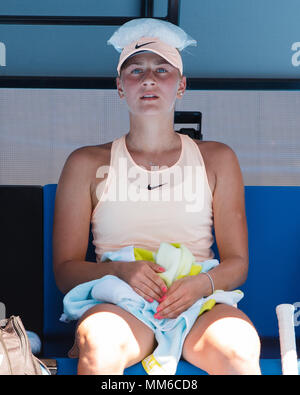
{"points": [[156, 186], [142, 45]]}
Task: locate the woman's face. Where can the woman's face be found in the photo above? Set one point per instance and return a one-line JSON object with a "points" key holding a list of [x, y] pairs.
{"points": [[150, 84]]}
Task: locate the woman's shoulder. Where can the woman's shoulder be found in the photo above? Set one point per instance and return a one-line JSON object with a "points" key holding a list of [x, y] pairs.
{"points": [[215, 151], [220, 160], [215, 146], [90, 154], [82, 163]]}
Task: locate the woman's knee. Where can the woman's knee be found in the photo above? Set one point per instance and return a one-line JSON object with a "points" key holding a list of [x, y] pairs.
{"points": [[105, 340], [224, 343], [235, 344]]}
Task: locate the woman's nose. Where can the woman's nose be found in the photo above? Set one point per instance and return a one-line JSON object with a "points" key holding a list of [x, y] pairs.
{"points": [[149, 78]]}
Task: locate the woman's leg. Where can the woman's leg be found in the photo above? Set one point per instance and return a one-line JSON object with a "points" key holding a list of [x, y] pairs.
{"points": [[109, 339], [223, 341]]}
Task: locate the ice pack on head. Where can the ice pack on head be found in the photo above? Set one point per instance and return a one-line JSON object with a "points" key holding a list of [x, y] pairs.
{"points": [[154, 35], [167, 32]]}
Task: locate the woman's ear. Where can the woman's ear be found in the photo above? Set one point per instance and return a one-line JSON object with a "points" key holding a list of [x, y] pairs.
{"points": [[120, 87], [181, 87]]}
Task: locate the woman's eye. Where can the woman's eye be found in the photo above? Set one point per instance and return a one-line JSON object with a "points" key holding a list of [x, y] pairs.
{"points": [[136, 71], [161, 70]]}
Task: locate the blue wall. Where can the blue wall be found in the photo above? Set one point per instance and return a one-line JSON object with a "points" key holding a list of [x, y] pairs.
{"points": [[236, 38]]}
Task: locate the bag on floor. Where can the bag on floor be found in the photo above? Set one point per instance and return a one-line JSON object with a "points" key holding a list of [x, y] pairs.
{"points": [[16, 357]]}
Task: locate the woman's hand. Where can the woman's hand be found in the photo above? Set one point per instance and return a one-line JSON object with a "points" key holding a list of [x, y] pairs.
{"points": [[143, 277], [181, 295]]}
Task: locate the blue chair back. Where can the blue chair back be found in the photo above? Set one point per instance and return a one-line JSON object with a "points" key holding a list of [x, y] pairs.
{"points": [[273, 216], [52, 296]]}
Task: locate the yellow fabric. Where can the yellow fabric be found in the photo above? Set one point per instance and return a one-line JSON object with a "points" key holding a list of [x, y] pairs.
{"points": [[141, 254], [195, 269], [150, 363], [207, 306], [175, 258], [177, 245]]}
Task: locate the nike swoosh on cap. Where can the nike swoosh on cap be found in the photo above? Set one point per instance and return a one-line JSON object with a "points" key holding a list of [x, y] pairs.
{"points": [[142, 45], [156, 186]]}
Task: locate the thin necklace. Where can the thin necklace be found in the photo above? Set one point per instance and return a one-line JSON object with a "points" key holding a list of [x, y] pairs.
{"points": [[153, 164]]}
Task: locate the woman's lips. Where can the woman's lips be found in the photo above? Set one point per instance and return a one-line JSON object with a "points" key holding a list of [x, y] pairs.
{"points": [[149, 97]]}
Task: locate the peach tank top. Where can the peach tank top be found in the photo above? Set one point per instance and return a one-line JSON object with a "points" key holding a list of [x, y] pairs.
{"points": [[143, 207]]}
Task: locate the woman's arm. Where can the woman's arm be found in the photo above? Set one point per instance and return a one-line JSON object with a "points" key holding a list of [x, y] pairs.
{"points": [[230, 222], [231, 237], [73, 209]]}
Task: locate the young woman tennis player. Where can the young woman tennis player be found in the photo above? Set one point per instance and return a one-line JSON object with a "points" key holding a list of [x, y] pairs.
{"points": [[108, 338]]}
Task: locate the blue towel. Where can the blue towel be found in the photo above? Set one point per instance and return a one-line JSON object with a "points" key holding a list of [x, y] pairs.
{"points": [[169, 333]]}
